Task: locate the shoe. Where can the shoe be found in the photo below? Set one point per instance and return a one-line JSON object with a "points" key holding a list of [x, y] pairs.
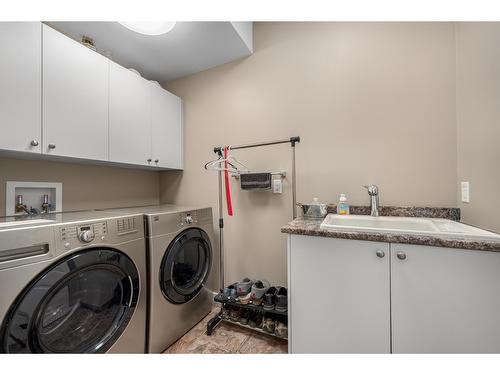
{"points": [[235, 314], [270, 298], [245, 317], [229, 292], [258, 290], [255, 320], [281, 300], [244, 300], [243, 287], [268, 325], [226, 311], [281, 330]]}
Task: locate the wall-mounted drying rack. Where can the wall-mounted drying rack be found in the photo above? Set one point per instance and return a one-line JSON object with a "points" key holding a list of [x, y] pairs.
{"points": [[220, 152], [281, 174]]}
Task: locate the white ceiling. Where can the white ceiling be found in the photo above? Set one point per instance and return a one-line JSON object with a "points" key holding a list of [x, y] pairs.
{"points": [[189, 48]]}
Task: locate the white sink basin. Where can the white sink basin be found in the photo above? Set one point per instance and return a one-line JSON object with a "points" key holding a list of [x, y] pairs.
{"points": [[13, 223], [409, 225]]}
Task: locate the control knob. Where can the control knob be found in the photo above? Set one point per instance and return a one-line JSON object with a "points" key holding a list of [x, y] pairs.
{"points": [[86, 236], [189, 219]]}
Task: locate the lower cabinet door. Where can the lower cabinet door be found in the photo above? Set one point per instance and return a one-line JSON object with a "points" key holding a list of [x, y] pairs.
{"points": [[339, 295], [445, 300]]}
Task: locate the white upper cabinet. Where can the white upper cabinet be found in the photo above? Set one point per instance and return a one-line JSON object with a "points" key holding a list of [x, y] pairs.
{"points": [[75, 98], [59, 98], [166, 128], [20, 86], [129, 117]]}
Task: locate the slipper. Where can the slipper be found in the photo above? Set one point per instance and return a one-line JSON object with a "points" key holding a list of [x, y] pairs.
{"points": [[258, 290], [244, 300], [281, 330], [243, 287], [268, 325]]}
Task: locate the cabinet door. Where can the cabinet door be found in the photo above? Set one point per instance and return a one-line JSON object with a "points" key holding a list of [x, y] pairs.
{"points": [[75, 98], [339, 296], [445, 300], [166, 127], [129, 117], [20, 86]]}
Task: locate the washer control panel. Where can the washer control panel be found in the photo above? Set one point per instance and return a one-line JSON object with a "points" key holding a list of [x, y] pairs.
{"points": [[84, 233], [102, 232]]}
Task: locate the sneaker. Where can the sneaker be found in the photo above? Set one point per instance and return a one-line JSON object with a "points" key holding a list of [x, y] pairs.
{"points": [[245, 317], [255, 320], [281, 300], [268, 325], [281, 329], [243, 287], [235, 314], [270, 298], [258, 290]]}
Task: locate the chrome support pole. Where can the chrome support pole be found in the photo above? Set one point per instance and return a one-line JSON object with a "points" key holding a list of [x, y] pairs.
{"points": [[221, 234], [294, 186]]}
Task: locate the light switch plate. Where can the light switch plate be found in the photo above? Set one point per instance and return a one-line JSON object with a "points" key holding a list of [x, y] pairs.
{"points": [[465, 191]]}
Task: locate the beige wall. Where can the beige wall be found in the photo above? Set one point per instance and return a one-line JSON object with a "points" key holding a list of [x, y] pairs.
{"points": [[373, 103], [478, 121], [84, 186]]}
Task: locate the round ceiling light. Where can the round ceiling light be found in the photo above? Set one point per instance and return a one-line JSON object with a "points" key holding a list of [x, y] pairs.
{"points": [[149, 28]]}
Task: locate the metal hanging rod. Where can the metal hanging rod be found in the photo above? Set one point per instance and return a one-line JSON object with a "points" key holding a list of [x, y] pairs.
{"points": [[292, 140]]}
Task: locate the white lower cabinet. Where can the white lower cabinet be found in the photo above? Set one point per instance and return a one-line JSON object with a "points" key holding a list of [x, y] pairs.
{"points": [[339, 296], [445, 300], [415, 299]]}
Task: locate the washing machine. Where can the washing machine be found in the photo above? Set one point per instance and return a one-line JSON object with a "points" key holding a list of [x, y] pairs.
{"points": [[183, 267], [73, 283]]}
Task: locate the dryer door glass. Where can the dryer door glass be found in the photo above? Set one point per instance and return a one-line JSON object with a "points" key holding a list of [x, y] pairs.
{"points": [[80, 305], [186, 265]]}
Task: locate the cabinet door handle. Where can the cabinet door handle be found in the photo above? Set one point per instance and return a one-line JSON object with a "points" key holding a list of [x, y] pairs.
{"points": [[52, 146], [401, 255], [34, 143], [380, 253], [157, 160], [149, 160]]}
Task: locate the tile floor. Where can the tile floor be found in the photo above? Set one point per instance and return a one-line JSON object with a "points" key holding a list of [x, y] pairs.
{"points": [[226, 339]]}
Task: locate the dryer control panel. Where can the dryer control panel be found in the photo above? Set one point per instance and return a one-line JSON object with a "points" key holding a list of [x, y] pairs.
{"points": [[188, 218]]}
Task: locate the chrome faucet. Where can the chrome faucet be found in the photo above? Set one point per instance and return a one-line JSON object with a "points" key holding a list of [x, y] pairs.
{"points": [[373, 193]]}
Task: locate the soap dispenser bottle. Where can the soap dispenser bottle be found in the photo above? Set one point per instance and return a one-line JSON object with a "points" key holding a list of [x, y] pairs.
{"points": [[342, 206]]}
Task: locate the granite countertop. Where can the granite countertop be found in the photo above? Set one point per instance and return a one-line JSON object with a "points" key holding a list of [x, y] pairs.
{"points": [[312, 227]]}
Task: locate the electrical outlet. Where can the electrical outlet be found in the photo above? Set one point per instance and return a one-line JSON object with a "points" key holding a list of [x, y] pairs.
{"points": [[465, 191], [277, 186]]}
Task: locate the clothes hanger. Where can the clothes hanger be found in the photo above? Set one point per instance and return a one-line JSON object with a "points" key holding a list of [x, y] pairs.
{"points": [[233, 165]]}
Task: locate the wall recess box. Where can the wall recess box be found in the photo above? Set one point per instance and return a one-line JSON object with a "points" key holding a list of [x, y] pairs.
{"points": [[32, 193]]}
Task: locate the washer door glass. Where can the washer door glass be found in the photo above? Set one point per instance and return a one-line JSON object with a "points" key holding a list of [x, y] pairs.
{"points": [[186, 265], [81, 305]]}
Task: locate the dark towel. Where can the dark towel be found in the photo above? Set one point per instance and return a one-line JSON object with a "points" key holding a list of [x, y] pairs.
{"points": [[255, 181]]}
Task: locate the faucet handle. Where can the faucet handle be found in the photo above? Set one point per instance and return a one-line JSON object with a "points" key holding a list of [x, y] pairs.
{"points": [[372, 189]]}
